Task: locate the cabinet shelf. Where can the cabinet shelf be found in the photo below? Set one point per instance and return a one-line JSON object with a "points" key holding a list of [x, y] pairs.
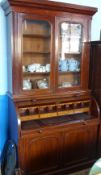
{"points": [[35, 73], [36, 36], [34, 52], [70, 36], [69, 72], [71, 53]]}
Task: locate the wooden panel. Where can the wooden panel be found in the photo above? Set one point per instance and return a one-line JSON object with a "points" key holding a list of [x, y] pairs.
{"points": [[65, 147], [48, 5], [80, 144], [36, 45], [30, 58], [35, 27], [95, 70], [40, 154], [95, 79]]}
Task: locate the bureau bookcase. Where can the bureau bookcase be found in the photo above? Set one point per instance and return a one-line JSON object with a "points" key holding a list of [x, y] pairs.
{"points": [[48, 56]]}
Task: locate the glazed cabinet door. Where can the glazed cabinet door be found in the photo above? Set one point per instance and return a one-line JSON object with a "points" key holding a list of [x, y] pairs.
{"points": [[72, 62], [80, 145], [39, 154], [33, 54]]}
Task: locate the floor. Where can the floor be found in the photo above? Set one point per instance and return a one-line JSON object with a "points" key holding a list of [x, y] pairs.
{"points": [[83, 172]]}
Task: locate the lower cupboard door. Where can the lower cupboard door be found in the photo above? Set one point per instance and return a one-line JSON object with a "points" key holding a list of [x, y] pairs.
{"points": [[38, 155], [80, 145]]}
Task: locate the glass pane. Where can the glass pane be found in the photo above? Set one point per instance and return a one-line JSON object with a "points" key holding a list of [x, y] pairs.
{"points": [[69, 57], [36, 54]]}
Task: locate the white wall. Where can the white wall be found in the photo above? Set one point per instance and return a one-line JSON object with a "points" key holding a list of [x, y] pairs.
{"points": [[3, 54], [95, 35]]}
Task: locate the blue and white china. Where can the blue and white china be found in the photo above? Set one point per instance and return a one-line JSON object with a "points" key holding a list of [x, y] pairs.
{"points": [[73, 64], [31, 68], [27, 85], [42, 84], [63, 65], [35, 67]]}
